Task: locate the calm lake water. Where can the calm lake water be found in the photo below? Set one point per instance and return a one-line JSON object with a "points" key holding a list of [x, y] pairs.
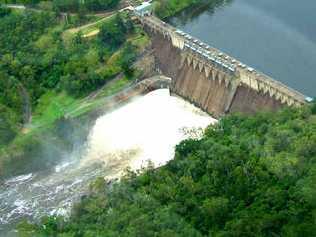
{"points": [[277, 37]]}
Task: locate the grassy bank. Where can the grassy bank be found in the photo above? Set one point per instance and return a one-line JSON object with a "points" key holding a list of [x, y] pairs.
{"points": [[60, 94]]}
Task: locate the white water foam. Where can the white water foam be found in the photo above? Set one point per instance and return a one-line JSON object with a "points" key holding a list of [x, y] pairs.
{"points": [[19, 179], [148, 128]]}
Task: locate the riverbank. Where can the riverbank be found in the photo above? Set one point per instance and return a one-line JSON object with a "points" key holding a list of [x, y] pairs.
{"points": [[44, 146], [93, 69], [134, 130]]}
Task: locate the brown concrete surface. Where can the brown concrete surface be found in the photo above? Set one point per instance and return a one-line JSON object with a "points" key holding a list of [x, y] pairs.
{"points": [[208, 93]]}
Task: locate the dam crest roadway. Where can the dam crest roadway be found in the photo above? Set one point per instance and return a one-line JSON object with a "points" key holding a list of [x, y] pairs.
{"points": [[237, 80]]}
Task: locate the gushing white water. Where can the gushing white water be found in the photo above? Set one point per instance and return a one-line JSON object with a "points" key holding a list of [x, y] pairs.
{"points": [[147, 128]]}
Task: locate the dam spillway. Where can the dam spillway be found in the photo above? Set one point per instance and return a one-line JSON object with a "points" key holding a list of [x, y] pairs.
{"points": [[145, 128], [212, 80]]}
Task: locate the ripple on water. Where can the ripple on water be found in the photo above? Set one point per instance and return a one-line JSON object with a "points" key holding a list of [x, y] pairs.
{"points": [[19, 179]]}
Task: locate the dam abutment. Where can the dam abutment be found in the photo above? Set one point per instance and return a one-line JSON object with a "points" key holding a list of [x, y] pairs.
{"points": [[212, 80]]}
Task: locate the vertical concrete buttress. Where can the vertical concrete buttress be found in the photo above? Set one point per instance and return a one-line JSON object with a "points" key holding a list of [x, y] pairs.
{"points": [[212, 89]]}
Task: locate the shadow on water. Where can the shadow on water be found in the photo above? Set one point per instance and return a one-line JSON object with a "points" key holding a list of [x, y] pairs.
{"points": [[190, 14]]}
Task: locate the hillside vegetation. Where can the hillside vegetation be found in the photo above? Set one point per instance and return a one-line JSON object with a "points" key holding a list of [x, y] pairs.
{"points": [[68, 5], [247, 176], [45, 73]]}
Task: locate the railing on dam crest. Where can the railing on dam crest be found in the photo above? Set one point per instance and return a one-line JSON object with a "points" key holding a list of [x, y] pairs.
{"points": [[216, 64]]}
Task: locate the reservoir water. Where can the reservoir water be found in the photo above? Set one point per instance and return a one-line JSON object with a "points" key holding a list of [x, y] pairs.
{"points": [[277, 37], [148, 128]]}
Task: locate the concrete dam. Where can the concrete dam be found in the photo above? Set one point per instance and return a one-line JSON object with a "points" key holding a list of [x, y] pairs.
{"points": [[212, 80]]}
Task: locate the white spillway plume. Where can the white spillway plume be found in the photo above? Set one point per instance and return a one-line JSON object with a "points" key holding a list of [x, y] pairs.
{"points": [[146, 129]]}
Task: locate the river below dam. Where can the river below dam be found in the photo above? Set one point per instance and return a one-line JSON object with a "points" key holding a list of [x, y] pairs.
{"points": [[277, 37], [147, 128]]}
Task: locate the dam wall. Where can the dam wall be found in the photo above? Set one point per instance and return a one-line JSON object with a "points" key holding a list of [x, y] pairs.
{"points": [[212, 80]]}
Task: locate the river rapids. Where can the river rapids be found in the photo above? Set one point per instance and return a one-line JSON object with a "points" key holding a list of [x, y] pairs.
{"points": [[147, 128]]}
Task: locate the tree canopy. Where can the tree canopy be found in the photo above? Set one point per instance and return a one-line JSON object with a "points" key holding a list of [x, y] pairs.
{"points": [[70, 5], [39, 57]]}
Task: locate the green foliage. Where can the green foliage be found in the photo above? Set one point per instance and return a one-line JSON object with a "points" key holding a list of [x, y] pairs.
{"points": [[69, 5], [114, 32], [64, 6], [29, 26], [97, 5], [42, 73], [19, 66], [4, 11], [247, 176], [35, 58], [91, 5], [24, 2], [167, 8], [127, 59], [8, 123]]}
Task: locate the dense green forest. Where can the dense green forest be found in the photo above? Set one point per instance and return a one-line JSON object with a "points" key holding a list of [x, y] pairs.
{"points": [[247, 176], [163, 8], [69, 5], [39, 61], [35, 57]]}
